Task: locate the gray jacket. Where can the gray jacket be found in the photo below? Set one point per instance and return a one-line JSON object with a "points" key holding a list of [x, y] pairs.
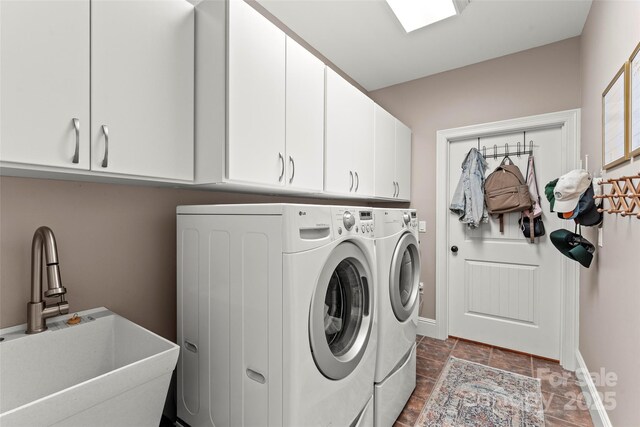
{"points": [[468, 200]]}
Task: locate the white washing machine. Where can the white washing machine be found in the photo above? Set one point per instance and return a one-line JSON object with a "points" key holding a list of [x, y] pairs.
{"points": [[398, 259], [276, 315]]}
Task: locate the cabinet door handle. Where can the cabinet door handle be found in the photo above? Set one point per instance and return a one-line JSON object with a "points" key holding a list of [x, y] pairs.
{"points": [[357, 181], [398, 185], [394, 189], [76, 154], [351, 180], [281, 158], [105, 131], [293, 169]]}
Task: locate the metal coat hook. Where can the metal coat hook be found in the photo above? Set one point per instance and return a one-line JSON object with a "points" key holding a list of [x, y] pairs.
{"points": [[521, 148]]}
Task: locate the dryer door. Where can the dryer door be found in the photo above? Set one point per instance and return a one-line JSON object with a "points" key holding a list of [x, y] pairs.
{"points": [[404, 277], [341, 314]]}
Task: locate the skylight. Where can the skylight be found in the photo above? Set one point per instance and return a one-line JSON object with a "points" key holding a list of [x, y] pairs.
{"points": [[414, 14]]}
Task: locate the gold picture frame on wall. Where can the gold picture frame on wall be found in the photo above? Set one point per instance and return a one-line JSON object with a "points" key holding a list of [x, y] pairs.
{"points": [[615, 132], [634, 103]]}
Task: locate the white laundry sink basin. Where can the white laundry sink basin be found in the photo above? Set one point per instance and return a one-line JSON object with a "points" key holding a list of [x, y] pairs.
{"points": [[104, 371]]}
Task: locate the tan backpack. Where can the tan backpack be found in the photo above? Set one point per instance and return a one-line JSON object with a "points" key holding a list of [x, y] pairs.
{"points": [[505, 190]]}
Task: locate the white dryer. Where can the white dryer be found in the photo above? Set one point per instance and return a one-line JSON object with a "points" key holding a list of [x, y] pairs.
{"points": [[276, 315], [398, 259]]}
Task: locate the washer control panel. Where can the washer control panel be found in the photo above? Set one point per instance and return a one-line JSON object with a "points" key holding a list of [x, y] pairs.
{"points": [[354, 221]]}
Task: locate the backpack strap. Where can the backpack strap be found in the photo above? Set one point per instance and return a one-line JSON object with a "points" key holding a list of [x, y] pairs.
{"points": [[532, 233], [504, 161]]}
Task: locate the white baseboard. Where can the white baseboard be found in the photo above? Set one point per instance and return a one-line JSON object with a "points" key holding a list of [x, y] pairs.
{"points": [[427, 327], [598, 413]]}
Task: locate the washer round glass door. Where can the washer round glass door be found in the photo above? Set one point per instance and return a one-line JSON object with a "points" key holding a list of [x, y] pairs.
{"points": [[404, 277], [340, 317]]}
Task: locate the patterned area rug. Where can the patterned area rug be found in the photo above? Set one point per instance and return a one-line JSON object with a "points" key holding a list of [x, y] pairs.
{"points": [[470, 394]]}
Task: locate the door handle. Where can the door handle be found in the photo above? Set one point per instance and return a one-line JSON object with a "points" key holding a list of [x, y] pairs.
{"points": [[398, 192], [76, 154], [357, 181], [281, 158], [395, 189], [105, 131], [351, 180], [293, 169], [454, 249]]}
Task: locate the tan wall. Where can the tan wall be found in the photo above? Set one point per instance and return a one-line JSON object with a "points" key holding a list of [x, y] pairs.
{"points": [[536, 81], [117, 245], [610, 289]]}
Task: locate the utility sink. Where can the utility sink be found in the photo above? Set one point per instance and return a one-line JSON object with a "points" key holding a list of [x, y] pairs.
{"points": [[103, 371]]}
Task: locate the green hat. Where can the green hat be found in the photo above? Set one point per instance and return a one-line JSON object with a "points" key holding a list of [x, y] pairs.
{"points": [[573, 246], [548, 191]]}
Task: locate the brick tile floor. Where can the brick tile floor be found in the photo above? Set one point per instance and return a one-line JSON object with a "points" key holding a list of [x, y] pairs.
{"points": [[562, 396]]}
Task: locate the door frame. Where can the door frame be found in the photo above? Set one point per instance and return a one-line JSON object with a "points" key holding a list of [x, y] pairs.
{"points": [[569, 122]]}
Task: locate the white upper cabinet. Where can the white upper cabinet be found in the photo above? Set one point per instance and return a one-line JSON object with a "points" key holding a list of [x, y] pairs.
{"points": [[256, 97], [385, 154], [142, 88], [403, 161], [304, 118], [393, 157], [44, 82], [349, 138]]}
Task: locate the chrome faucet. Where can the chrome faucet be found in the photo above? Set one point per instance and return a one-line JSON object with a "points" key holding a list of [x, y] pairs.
{"points": [[37, 310]]}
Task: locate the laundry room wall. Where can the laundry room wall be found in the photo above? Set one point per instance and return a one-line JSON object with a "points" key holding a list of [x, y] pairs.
{"points": [[116, 243], [536, 81], [610, 289]]}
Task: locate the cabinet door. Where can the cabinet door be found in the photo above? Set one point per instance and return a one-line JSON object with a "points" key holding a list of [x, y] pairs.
{"points": [[385, 154], [362, 121], [142, 65], [304, 118], [340, 133], [403, 160], [256, 97], [44, 80]]}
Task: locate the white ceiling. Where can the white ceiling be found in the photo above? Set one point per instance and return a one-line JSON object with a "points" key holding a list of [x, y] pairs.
{"points": [[364, 38]]}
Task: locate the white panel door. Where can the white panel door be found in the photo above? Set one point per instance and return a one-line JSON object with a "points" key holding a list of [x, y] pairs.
{"points": [[504, 290], [341, 101], [362, 117], [304, 118], [385, 153], [44, 81], [256, 97], [403, 161], [142, 88]]}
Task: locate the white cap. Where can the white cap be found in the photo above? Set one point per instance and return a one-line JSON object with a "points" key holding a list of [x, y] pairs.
{"points": [[569, 188]]}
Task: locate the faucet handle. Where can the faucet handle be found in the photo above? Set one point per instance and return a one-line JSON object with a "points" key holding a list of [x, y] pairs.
{"points": [[55, 282]]}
